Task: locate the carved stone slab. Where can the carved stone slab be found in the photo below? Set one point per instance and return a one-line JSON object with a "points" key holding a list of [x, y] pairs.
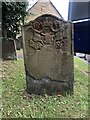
{"points": [[9, 49], [48, 53]]}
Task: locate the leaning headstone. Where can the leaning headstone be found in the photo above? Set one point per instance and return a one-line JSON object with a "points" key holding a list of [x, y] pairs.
{"points": [[48, 55], [9, 49]]}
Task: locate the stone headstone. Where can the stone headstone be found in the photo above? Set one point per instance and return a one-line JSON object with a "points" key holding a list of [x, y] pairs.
{"points": [[9, 49], [48, 55], [88, 57], [21, 41], [18, 44]]}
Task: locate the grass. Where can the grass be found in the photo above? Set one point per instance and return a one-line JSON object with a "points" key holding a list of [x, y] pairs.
{"points": [[18, 104]]}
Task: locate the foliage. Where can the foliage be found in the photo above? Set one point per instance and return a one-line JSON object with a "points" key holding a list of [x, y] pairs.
{"points": [[13, 14], [17, 104]]}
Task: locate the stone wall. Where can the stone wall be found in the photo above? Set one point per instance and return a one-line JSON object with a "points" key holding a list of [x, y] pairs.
{"points": [[41, 8]]}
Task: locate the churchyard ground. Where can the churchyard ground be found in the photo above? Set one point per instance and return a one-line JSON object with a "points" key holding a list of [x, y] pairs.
{"points": [[18, 104]]}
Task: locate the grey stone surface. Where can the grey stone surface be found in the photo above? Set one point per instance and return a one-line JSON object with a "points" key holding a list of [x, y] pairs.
{"points": [[81, 55], [8, 49], [88, 57], [48, 55], [19, 42]]}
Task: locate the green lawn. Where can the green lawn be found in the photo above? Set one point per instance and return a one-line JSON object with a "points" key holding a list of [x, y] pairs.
{"points": [[17, 104]]}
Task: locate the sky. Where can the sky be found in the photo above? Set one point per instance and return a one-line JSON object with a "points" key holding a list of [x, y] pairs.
{"points": [[62, 7]]}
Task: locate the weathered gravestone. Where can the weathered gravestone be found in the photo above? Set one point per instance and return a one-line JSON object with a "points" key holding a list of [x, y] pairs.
{"points": [[19, 42], [48, 53], [8, 49]]}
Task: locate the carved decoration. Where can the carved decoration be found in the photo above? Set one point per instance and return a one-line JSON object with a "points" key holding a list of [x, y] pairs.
{"points": [[48, 31]]}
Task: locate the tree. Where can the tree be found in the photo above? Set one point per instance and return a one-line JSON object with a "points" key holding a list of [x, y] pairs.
{"points": [[13, 14]]}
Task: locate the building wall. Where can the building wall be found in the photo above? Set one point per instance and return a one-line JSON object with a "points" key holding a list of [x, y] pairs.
{"points": [[40, 8]]}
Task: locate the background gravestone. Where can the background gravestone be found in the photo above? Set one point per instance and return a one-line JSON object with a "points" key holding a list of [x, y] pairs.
{"points": [[48, 55], [8, 49], [19, 43]]}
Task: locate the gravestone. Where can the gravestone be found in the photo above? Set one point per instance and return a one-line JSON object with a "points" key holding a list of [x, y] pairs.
{"points": [[18, 44], [9, 49], [21, 41], [48, 55]]}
